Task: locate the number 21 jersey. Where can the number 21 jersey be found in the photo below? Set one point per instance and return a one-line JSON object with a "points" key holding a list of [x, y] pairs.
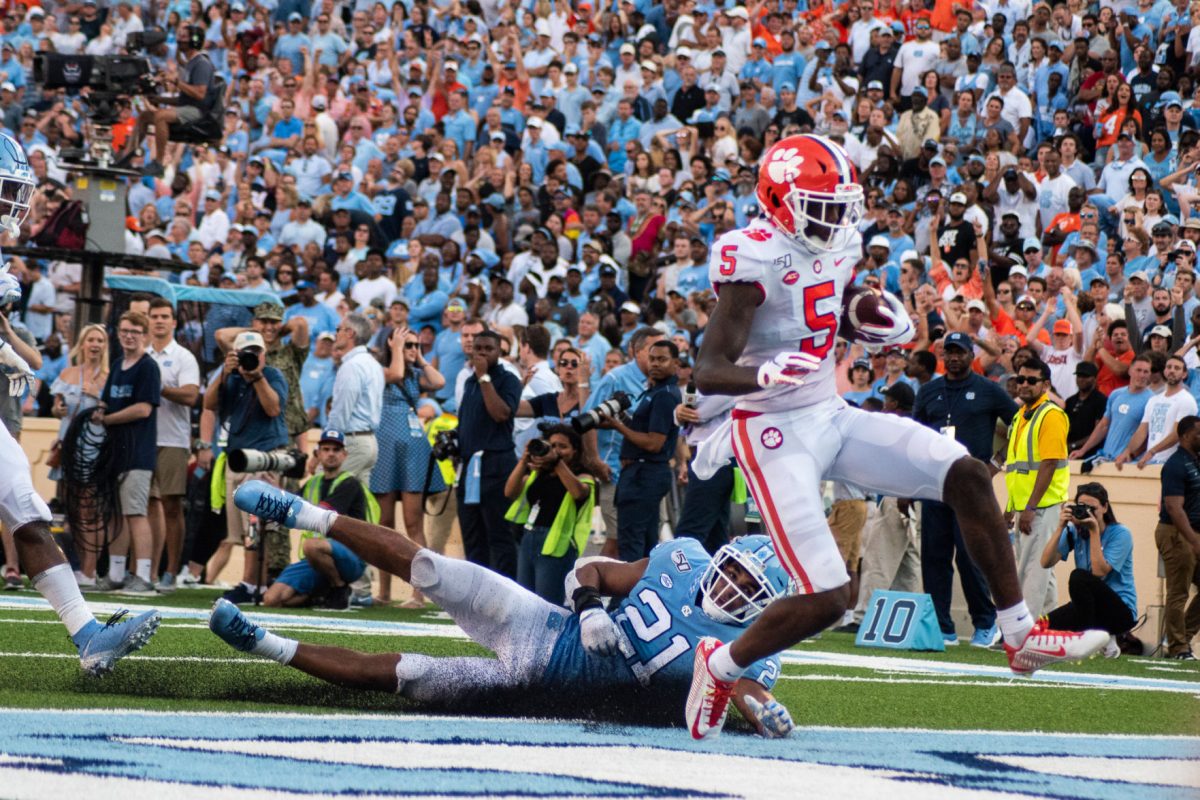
{"points": [[800, 306]]}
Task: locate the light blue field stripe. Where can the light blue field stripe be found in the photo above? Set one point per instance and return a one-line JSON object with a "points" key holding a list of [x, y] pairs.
{"points": [[809, 658], [347, 623]]}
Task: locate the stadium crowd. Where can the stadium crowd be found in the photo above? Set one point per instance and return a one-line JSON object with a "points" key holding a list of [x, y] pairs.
{"points": [[488, 214]]}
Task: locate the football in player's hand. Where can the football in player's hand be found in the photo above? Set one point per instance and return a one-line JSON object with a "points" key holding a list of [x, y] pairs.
{"points": [[861, 306]]}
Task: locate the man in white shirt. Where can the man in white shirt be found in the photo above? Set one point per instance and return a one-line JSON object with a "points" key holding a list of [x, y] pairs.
{"points": [[1162, 414], [304, 229], [539, 379], [327, 283], [1018, 110], [737, 38], [214, 228], [1053, 187], [168, 485], [914, 59], [505, 313], [372, 283], [1114, 178]]}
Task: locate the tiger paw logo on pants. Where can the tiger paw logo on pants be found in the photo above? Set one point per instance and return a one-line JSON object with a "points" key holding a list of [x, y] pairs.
{"points": [[784, 166]]}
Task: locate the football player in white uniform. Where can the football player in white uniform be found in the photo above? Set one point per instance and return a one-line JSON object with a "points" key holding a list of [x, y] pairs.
{"points": [[780, 282], [21, 509]]}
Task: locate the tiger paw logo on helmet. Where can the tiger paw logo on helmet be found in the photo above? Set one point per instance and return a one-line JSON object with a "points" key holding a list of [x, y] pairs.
{"points": [[784, 166]]}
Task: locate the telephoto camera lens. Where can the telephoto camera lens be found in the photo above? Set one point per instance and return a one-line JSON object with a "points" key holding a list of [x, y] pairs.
{"points": [[611, 407]]}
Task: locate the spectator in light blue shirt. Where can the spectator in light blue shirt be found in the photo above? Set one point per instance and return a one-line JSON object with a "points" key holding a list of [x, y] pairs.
{"points": [[624, 129], [327, 46], [316, 379], [290, 44], [460, 125], [357, 396], [344, 195], [321, 318]]}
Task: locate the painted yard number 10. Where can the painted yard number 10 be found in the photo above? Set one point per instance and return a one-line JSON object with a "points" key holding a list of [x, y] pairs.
{"points": [[899, 620]]}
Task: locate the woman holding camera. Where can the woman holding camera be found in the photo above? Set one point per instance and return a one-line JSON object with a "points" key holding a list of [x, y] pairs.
{"points": [[404, 453], [552, 499], [1101, 585]]}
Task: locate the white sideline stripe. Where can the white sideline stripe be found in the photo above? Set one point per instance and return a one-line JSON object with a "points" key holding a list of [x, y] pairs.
{"points": [[908, 665], [992, 684], [1166, 771], [181, 659], [169, 625]]}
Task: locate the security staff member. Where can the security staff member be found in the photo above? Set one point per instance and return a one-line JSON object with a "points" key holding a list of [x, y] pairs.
{"points": [[491, 395], [1037, 477], [965, 406], [645, 455]]}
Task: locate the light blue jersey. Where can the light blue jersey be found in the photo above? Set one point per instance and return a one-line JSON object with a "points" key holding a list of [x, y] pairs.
{"points": [[662, 623]]}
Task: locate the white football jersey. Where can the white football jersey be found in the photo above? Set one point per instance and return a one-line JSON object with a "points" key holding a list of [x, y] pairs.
{"points": [[800, 309]]}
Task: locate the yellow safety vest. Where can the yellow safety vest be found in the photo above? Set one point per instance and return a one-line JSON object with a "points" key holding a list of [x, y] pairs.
{"points": [[312, 493], [446, 422], [1024, 459], [570, 523]]}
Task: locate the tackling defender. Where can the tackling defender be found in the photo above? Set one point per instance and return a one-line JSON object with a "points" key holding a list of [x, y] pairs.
{"points": [[21, 509], [780, 282], [672, 599]]}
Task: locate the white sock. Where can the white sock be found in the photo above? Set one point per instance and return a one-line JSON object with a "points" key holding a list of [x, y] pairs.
{"points": [[250, 587], [143, 569], [58, 586], [276, 648], [722, 665], [1015, 623], [315, 518], [116, 568]]}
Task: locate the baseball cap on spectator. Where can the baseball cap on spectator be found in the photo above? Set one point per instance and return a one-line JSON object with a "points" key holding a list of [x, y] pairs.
{"points": [[495, 200], [937, 161], [1193, 224], [977, 305], [248, 339], [36, 11], [212, 194], [959, 340], [921, 91], [156, 232], [631, 307], [976, 158], [1026, 300], [1140, 275], [456, 304], [1162, 228], [7, 86], [305, 285], [738, 11], [606, 267], [1084, 244], [304, 201], [1018, 269], [1063, 326], [759, 42], [875, 85], [451, 65], [1124, 135], [1087, 369], [330, 436], [1159, 330], [958, 197], [885, 31], [594, 244], [295, 17], [861, 363], [534, 122], [1012, 214], [1055, 43], [1098, 279], [325, 336], [627, 48], [821, 45], [879, 241], [910, 255], [1031, 244], [570, 69], [684, 52], [268, 311], [650, 66], [721, 174], [1168, 99], [929, 144]]}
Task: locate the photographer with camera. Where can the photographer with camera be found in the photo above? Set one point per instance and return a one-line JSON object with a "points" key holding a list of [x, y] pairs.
{"points": [[649, 444], [1101, 585], [485, 434], [249, 397], [323, 575], [552, 498], [193, 102]]}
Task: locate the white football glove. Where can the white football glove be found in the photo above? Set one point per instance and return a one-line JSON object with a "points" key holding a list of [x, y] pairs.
{"points": [[900, 331], [773, 716], [10, 287], [599, 633], [787, 369], [14, 367]]}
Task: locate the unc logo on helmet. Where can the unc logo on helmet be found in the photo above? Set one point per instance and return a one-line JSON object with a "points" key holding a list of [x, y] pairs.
{"points": [[809, 190]]}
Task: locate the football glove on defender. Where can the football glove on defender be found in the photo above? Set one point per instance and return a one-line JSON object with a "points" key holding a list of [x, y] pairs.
{"points": [[787, 369], [773, 716], [599, 633], [10, 287], [14, 367], [900, 331]]}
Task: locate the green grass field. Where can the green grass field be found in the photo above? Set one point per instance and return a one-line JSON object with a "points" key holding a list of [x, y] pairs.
{"points": [[185, 667]]}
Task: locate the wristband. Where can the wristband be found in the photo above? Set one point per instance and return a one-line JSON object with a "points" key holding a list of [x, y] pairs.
{"points": [[586, 597]]}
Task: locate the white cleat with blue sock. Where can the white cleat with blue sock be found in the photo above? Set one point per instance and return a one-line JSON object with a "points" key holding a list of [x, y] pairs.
{"points": [[229, 623], [268, 502]]}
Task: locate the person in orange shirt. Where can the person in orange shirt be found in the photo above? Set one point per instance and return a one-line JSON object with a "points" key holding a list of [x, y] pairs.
{"points": [[512, 73], [1113, 356], [769, 30], [1067, 222], [1024, 315], [945, 13]]}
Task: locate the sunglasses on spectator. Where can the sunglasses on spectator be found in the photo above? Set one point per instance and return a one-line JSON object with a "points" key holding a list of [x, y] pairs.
{"points": [[568, 362], [412, 345], [1028, 380]]}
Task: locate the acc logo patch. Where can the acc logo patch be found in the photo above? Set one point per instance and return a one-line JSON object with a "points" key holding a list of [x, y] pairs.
{"points": [[666, 581], [772, 438], [791, 277], [681, 562]]}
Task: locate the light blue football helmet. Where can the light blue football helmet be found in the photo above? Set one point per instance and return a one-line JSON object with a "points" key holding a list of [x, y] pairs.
{"points": [[728, 602], [16, 184]]}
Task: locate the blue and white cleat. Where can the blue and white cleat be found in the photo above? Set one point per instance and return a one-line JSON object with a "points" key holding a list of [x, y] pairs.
{"points": [[228, 622], [268, 502], [102, 646]]}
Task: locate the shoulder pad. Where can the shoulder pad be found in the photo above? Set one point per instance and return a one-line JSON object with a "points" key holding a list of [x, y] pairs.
{"points": [[742, 256]]}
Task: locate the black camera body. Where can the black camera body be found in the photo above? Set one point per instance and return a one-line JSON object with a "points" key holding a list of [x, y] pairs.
{"points": [[445, 445], [248, 360], [540, 448], [588, 420], [108, 79], [1081, 512]]}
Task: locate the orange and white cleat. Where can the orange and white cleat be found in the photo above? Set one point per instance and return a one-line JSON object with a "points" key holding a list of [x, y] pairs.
{"points": [[708, 698], [1045, 645]]}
